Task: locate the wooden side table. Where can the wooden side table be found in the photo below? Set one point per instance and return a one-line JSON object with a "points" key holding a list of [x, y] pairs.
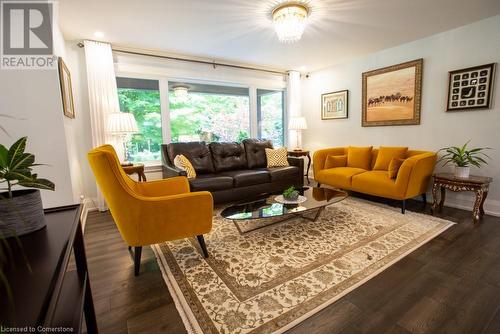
{"points": [[302, 153], [477, 184], [135, 169]]}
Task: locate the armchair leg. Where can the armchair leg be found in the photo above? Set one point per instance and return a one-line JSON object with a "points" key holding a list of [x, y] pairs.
{"points": [[203, 246], [137, 260], [319, 185], [403, 206]]}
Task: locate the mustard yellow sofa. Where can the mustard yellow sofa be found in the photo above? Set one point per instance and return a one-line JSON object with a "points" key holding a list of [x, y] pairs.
{"points": [[150, 212], [412, 178]]}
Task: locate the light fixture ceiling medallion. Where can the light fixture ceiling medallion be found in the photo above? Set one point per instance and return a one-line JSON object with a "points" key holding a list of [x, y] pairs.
{"points": [[289, 21]]}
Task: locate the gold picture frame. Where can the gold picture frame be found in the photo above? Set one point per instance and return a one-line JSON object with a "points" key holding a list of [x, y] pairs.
{"points": [[335, 105], [392, 95], [66, 89]]}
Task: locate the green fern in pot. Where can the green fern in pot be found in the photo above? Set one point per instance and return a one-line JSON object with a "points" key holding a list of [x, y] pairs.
{"points": [[463, 158]]}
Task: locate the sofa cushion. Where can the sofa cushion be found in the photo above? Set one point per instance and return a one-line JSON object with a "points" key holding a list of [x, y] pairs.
{"points": [[377, 183], [394, 167], [386, 154], [228, 156], [211, 182], [256, 152], [197, 152], [247, 177], [359, 157], [339, 177], [284, 173], [333, 161]]}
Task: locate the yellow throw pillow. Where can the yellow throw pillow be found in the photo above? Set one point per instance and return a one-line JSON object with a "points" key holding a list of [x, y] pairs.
{"points": [[183, 163], [277, 157], [333, 161], [386, 154], [359, 157], [394, 166]]}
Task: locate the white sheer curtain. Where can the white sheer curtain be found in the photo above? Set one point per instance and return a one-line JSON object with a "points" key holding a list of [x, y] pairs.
{"points": [[103, 95], [294, 104]]}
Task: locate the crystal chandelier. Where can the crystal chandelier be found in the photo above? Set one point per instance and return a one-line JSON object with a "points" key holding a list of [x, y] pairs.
{"points": [[289, 21]]}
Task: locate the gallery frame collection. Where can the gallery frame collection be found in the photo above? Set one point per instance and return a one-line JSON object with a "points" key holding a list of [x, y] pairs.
{"points": [[392, 95]]}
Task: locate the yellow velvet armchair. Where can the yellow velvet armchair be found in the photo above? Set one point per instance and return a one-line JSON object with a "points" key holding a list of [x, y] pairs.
{"points": [[411, 180], [150, 212]]}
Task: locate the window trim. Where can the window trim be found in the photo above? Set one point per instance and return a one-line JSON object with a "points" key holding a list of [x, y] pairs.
{"points": [[164, 80], [283, 108]]}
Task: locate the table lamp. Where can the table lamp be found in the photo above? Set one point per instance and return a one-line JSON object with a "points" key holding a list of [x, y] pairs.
{"points": [[298, 124], [122, 124]]}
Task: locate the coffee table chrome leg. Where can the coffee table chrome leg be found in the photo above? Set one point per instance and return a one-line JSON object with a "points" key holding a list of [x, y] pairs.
{"points": [[238, 227], [320, 210]]}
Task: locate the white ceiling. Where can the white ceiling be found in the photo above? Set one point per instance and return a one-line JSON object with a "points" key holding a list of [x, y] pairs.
{"points": [[241, 30]]}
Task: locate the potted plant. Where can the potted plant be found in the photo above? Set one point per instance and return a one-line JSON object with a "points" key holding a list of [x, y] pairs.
{"points": [[290, 194], [21, 211], [462, 158]]}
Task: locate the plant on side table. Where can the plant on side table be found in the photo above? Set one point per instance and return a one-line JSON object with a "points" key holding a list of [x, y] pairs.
{"points": [[463, 158], [21, 211]]}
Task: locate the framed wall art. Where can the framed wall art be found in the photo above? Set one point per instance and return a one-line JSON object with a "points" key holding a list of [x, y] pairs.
{"points": [[335, 105], [66, 89], [471, 88], [392, 95]]}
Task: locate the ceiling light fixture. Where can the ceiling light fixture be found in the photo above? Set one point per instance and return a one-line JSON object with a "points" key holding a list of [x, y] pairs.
{"points": [[289, 21], [180, 91]]}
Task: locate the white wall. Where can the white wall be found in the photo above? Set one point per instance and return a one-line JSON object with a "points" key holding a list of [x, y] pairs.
{"points": [[78, 130], [33, 97], [474, 44]]}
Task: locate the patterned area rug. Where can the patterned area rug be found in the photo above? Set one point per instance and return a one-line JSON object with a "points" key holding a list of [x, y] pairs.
{"points": [[269, 280]]}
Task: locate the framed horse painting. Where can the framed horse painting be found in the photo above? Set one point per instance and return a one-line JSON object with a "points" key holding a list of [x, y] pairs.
{"points": [[392, 95]]}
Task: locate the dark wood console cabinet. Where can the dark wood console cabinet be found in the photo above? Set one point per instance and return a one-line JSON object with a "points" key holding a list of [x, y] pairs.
{"points": [[48, 277]]}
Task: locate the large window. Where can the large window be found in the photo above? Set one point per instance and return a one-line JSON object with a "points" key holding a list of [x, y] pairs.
{"points": [[208, 112], [270, 114], [142, 98]]}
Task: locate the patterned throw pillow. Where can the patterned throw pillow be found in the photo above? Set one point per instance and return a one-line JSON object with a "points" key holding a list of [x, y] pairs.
{"points": [[394, 166], [183, 163], [277, 157]]}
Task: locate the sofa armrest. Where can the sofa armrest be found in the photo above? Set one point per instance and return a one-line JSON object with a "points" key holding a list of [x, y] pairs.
{"points": [[172, 171], [319, 157], [298, 162], [415, 174]]}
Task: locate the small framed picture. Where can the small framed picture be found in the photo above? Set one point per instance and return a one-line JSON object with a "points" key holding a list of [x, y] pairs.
{"points": [[335, 105], [475, 93], [66, 89]]}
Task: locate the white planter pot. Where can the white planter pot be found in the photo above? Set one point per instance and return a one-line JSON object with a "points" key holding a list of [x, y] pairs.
{"points": [[462, 172]]}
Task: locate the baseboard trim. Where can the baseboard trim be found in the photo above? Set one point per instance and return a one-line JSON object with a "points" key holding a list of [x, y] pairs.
{"points": [[88, 206]]}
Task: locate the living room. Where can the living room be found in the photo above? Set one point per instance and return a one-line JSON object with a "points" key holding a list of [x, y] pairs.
{"points": [[316, 166]]}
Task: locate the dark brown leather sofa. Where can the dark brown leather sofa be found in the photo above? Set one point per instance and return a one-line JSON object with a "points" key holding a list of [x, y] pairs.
{"points": [[233, 171]]}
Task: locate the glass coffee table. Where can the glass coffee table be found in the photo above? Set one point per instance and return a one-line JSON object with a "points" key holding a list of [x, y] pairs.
{"points": [[267, 208]]}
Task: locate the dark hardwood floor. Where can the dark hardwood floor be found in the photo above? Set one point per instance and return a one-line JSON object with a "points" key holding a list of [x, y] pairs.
{"points": [[450, 285]]}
